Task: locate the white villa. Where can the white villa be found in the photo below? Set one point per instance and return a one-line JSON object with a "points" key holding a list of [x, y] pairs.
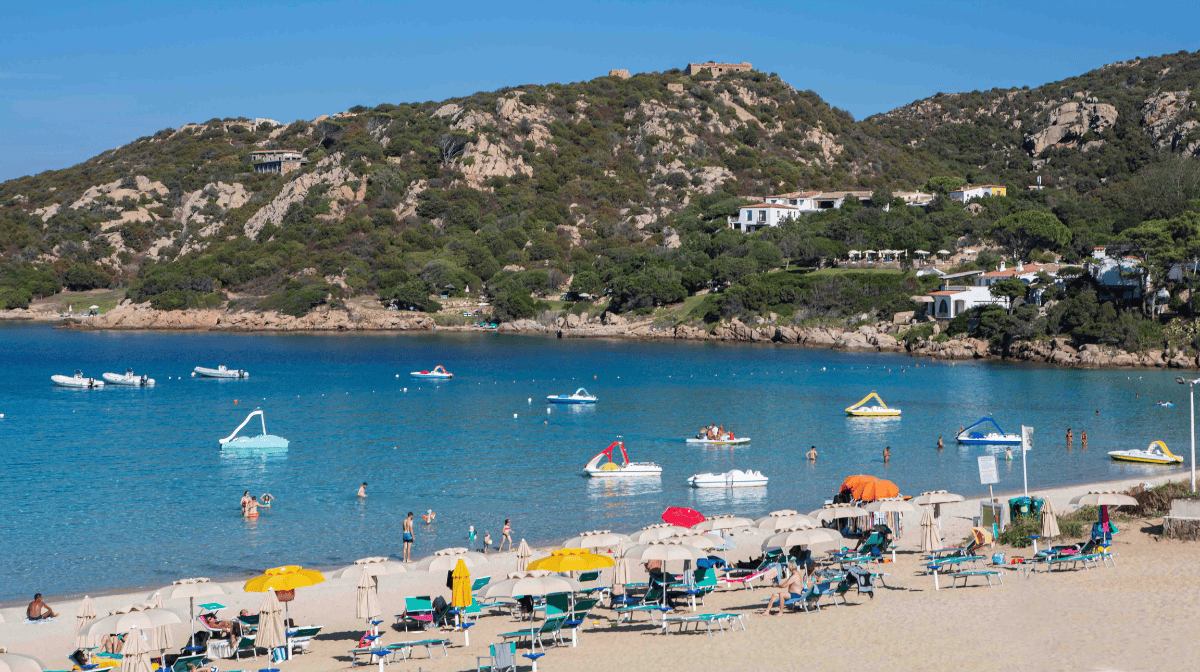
{"points": [[969, 193], [1119, 276], [952, 300], [773, 210]]}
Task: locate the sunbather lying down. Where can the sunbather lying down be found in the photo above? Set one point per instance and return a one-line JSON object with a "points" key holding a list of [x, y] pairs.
{"points": [[233, 628]]}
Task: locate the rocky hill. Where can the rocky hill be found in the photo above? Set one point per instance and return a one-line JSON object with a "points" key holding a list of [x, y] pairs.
{"points": [[616, 186]]}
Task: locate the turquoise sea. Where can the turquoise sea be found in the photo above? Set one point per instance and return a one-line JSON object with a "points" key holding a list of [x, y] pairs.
{"points": [[103, 489]]}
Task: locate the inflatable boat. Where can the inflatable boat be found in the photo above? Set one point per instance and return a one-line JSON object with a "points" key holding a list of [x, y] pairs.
{"points": [[730, 479], [611, 469], [128, 378], [220, 372], [1155, 453], [982, 437], [439, 372], [879, 410], [580, 396], [77, 380], [262, 443]]}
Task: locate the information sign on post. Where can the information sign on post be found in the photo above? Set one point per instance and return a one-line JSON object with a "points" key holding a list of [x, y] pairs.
{"points": [[988, 473]]}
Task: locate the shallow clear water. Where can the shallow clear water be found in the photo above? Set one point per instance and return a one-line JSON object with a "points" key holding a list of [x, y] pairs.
{"points": [[126, 487]]}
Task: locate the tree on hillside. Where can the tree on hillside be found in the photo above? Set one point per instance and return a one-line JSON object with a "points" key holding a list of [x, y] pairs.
{"points": [[943, 184], [1151, 242], [1010, 289], [881, 198], [1023, 231], [451, 145]]}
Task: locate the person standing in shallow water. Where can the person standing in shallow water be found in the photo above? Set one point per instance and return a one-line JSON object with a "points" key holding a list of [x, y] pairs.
{"points": [[1070, 439], [811, 455], [362, 489], [1083, 439], [887, 454], [940, 444]]}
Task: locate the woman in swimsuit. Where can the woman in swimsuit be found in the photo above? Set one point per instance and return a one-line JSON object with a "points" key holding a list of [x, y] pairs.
{"points": [[506, 535]]}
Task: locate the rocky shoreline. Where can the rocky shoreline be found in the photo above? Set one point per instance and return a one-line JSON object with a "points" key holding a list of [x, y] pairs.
{"points": [[880, 337]]}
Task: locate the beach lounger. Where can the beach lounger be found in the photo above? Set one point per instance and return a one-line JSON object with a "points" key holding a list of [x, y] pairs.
{"points": [[416, 610], [480, 583], [369, 653], [404, 649], [952, 563], [299, 638], [985, 573], [549, 628], [805, 600], [706, 619], [578, 616], [503, 658], [245, 645], [181, 663]]}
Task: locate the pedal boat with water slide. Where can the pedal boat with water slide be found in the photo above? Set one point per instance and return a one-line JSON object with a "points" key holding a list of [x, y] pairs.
{"points": [[77, 380], [880, 410], [129, 379], [220, 372], [730, 479], [581, 396], [262, 443], [972, 437], [1155, 453], [439, 372], [611, 469]]}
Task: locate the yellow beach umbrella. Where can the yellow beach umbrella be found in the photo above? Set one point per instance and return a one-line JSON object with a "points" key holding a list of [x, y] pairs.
{"points": [[288, 577], [460, 592], [572, 560]]}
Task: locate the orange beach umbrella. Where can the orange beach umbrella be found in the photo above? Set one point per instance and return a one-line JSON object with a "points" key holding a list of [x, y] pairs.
{"points": [[869, 488]]}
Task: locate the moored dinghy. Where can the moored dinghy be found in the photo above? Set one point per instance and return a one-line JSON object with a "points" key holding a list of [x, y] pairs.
{"points": [[77, 380], [730, 479], [262, 442], [612, 469], [439, 372], [129, 378], [220, 372]]}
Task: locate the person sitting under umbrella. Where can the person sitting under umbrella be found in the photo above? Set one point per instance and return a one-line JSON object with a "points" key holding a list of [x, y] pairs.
{"points": [[661, 580], [791, 587]]}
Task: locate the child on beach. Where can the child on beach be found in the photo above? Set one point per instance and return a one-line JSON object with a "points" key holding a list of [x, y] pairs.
{"points": [[487, 541]]}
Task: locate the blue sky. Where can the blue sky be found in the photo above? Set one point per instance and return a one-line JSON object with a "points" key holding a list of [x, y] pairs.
{"points": [[77, 78]]}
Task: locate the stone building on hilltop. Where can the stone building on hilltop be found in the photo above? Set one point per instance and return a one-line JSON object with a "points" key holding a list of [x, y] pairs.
{"points": [[281, 161], [717, 69]]}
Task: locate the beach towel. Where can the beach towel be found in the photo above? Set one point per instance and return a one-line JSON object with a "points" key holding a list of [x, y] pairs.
{"points": [[31, 621], [862, 579]]}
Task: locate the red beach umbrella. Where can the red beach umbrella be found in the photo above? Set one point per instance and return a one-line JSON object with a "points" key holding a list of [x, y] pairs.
{"points": [[683, 517]]}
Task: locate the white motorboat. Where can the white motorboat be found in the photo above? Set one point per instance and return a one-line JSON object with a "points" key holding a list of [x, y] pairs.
{"points": [[1155, 453], [730, 479], [262, 442], [611, 469], [77, 380], [220, 372], [129, 378]]}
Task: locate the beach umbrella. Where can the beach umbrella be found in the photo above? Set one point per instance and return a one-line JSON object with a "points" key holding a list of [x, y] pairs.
{"points": [[191, 588], [930, 539], [621, 569], [377, 566], [655, 532], [460, 591], [572, 560], [85, 615], [272, 626], [870, 488], [15, 662], [701, 540], [891, 505], [93, 307], [922, 252], [725, 522], [135, 652], [1049, 522], [802, 537], [682, 516], [366, 605], [596, 539], [836, 511], [1104, 499], [936, 497], [284, 581], [123, 621], [784, 519], [529, 583], [524, 552], [664, 552], [445, 559], [943, 251], [161, 634]]}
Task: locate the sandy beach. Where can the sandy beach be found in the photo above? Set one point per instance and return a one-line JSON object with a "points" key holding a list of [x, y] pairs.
{"points": [[1136, 616]]}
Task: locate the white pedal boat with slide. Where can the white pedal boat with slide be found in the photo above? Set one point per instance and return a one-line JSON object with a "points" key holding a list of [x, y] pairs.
{"points": [[129, 378], [262, 443], [77, 380], [730, 479], [220, 372], [611, 469]]}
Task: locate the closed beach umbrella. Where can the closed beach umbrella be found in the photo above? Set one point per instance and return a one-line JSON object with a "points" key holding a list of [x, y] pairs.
{"points": [[596, 539], [1049, 521], [621, 569], [681, 516], [571, 560], [930, 539], [656, 532], [135, 652], [272, 630], [725, 522], [524, 553], [460, 592], [162, 634], [85, 615], [446, 559], [15, 662], [367, 603]]}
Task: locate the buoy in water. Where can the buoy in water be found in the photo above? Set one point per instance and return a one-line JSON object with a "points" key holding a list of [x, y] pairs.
{"points": [[397, 375], [235, 401], [547, 411], [530, 400], [514, 415]]}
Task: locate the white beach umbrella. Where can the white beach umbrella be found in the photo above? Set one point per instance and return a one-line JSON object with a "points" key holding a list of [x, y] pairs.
{"points": [[367, 603], [121, 622], [783, 520], [802, 537], [701, 540], [663, 551], [890, 505], [85, 615], [15, 662], [1104, 499], [272, 629], [655, 532], [1049, 522], [920, 252], [936, 497], [135, 652], [377, 566], [524, 552], [445, 560], [836, 511], [725, 522], [930, 539], [529, 583], [944, 252], [596, 539]]}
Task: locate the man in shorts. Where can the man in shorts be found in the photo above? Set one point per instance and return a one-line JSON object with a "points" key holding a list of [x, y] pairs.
{"points": [[408, 537], [39, 610]]}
